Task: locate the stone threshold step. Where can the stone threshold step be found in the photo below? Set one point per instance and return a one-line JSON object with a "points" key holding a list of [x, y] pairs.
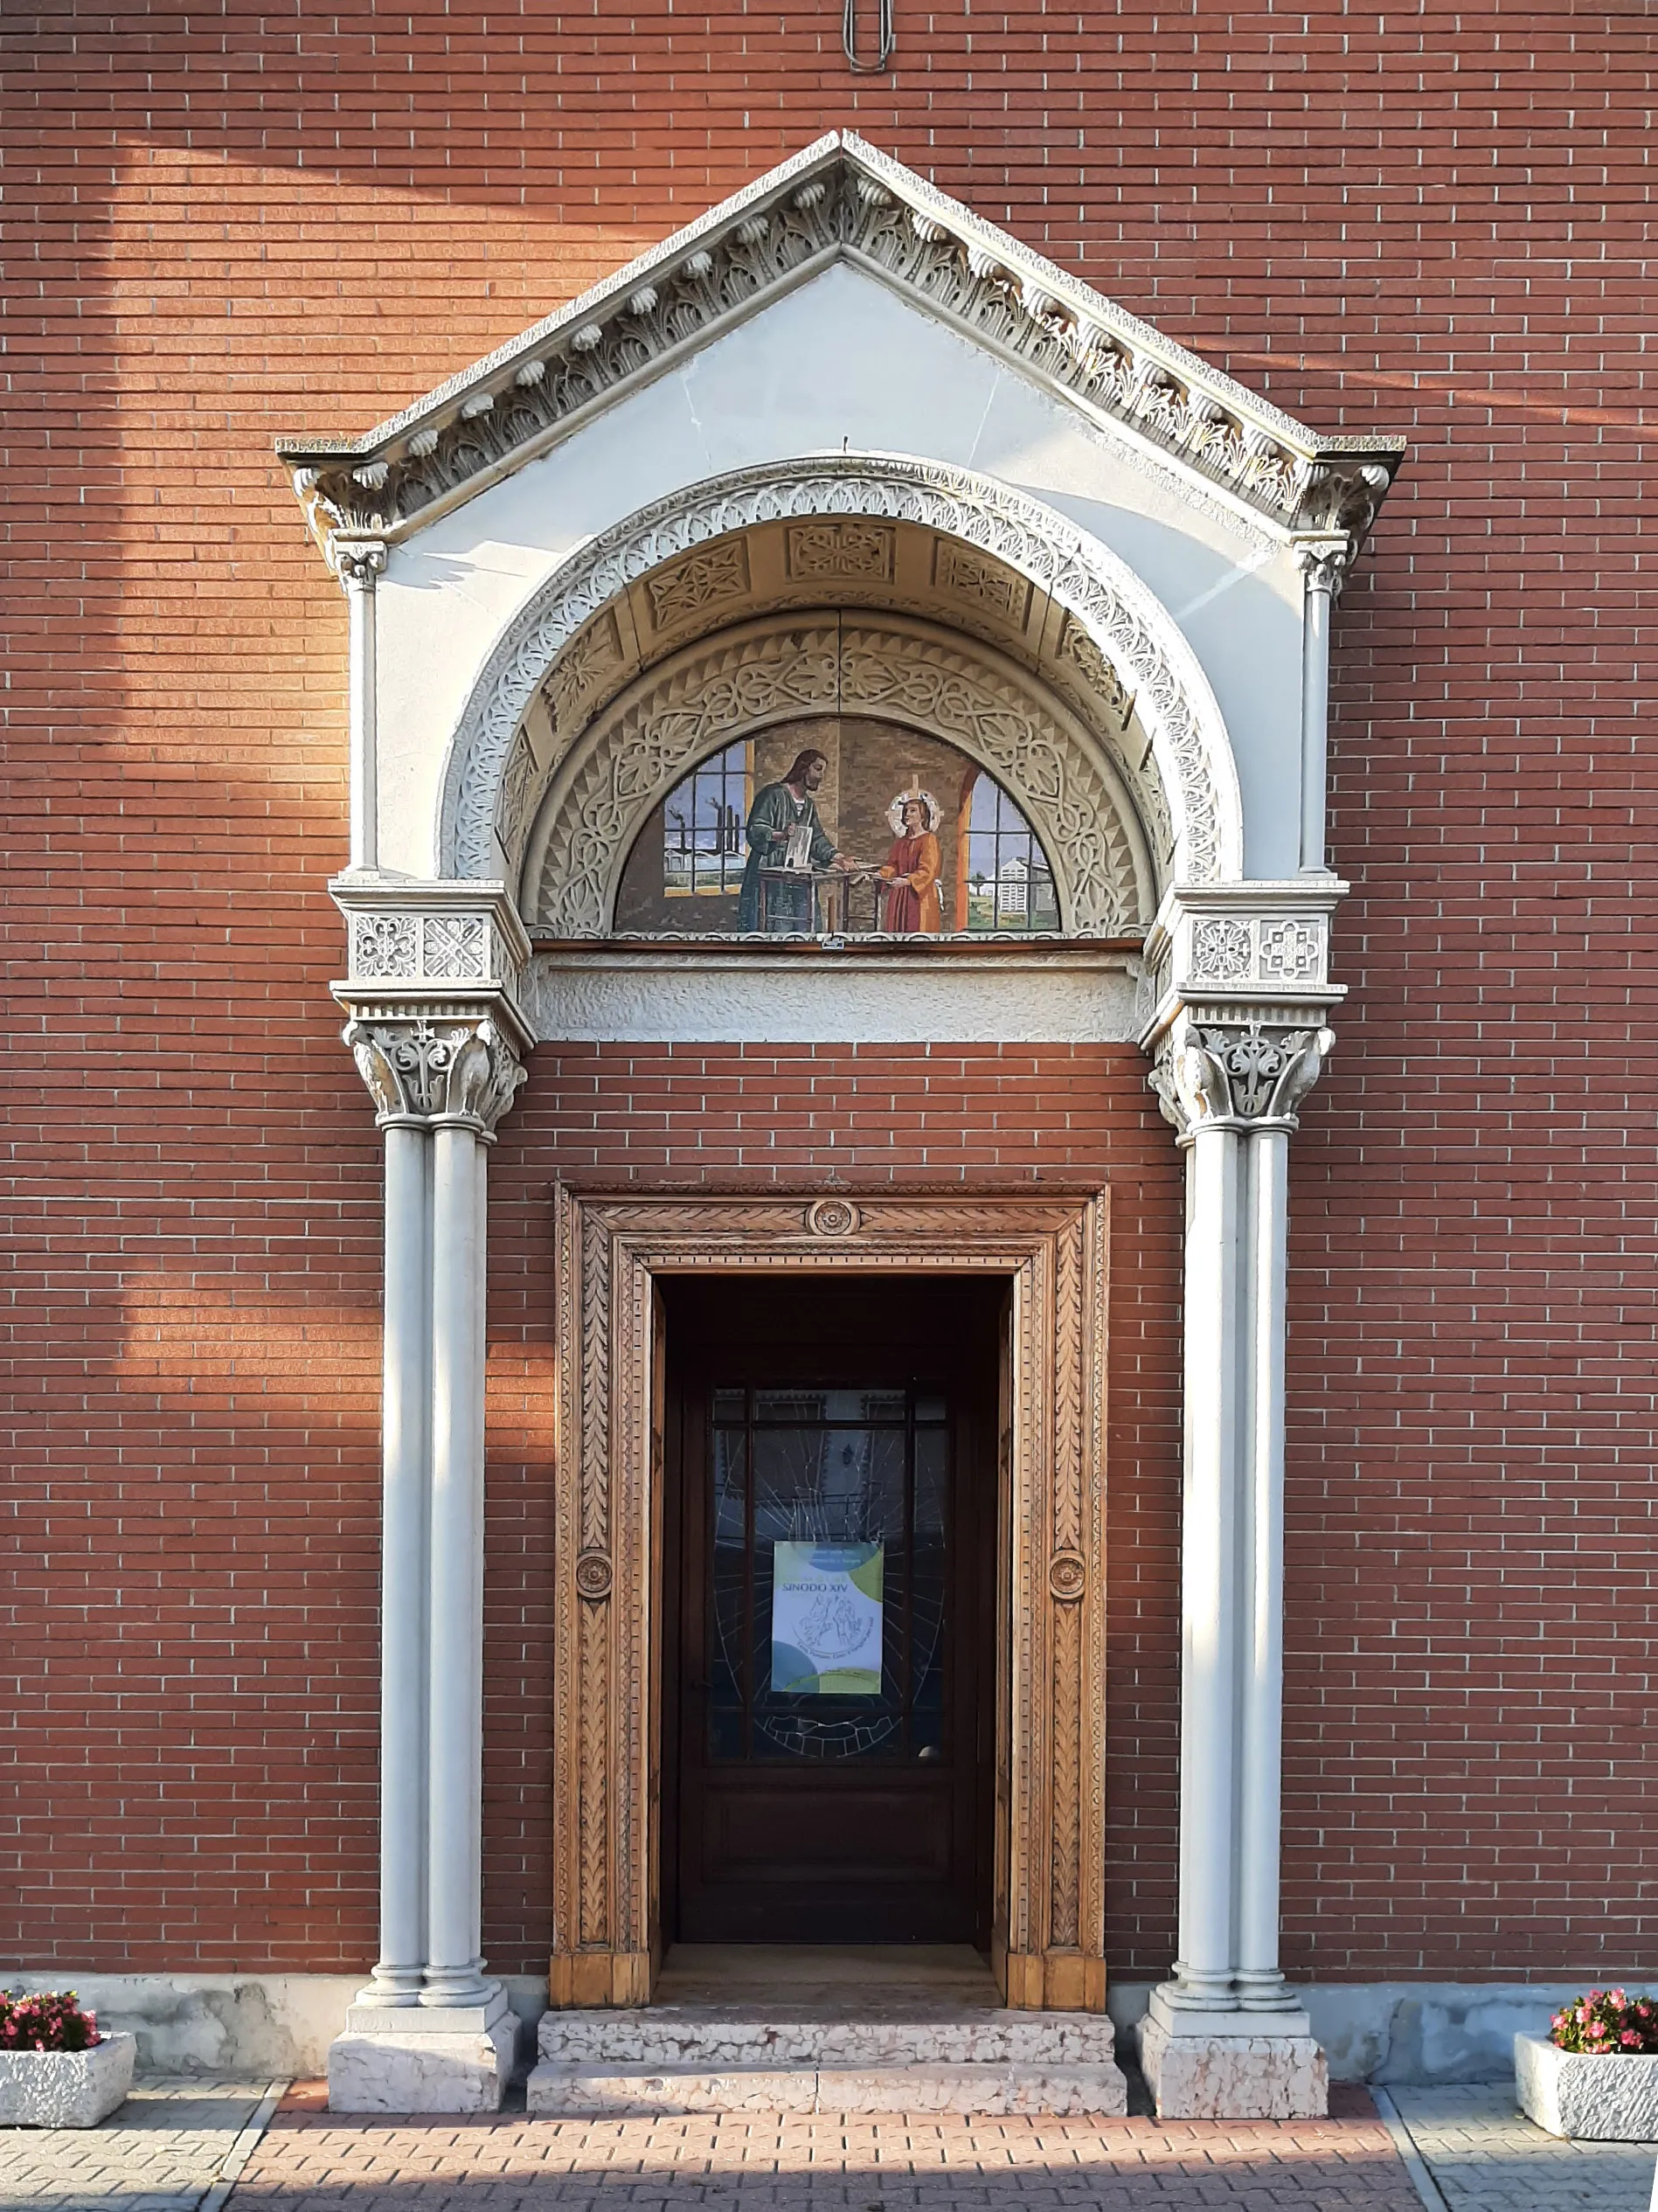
{"points": [[1041, 2091], [669, 2037]]}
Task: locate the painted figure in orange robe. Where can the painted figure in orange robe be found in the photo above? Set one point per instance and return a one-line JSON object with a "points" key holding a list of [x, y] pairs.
{"points": [[913, 866]]}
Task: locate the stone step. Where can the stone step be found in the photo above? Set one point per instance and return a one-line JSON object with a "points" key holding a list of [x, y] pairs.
{"points": [[705, 2038], [1058, 2091]]}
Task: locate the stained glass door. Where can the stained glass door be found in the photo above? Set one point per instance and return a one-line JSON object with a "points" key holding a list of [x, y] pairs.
{"points": [[830, 1722]]}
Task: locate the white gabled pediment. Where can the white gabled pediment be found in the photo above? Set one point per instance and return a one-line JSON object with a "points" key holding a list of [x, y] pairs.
{"points": [[839, 201]]}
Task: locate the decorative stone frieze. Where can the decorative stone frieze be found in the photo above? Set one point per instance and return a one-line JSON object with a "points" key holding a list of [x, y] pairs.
{"points": [[841, 200]]}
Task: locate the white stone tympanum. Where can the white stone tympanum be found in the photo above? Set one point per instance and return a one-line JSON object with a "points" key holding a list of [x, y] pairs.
{"points": [[1593, 2096], [66, 2088]]}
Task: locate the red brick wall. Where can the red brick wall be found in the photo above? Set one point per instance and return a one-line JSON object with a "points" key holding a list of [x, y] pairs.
{"points": [[225, 227]]}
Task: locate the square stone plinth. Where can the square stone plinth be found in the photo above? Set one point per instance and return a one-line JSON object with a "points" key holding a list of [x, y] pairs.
{"points": [[421, 2072], [1233, 2077], [1593, 2097]]}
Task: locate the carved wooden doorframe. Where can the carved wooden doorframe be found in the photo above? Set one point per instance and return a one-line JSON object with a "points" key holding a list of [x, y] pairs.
{"points": [[1048, 1906]]}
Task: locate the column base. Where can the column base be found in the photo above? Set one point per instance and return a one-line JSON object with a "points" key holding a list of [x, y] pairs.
{"points": [[1242, 2074], [405, 2059]]}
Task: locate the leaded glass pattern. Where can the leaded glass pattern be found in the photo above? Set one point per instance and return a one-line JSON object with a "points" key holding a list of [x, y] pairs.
{"points": [[828, 1467]]}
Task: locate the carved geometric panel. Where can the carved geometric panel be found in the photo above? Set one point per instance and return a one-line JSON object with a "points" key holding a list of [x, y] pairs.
{"points": [[1049, 1907]]}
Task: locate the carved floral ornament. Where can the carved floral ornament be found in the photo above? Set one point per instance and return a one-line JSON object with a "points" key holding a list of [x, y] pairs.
{"points": [[632, 756], [436, 1065], [1134, 635], [841, 200], [1237, 1075]]}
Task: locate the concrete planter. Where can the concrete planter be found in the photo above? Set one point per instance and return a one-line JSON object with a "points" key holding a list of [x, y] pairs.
{"points": [[1595, 2098], [66, 2088]]}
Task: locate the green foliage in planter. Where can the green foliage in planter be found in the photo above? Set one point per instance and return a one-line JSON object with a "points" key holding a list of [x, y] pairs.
{"points": [[45, 2020], [1608, 2022]]}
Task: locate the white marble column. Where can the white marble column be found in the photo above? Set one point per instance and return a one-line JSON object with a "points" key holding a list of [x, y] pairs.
{"points": [[359, 563], [405, 1424], [431, 2032], [1224, 2037], [1323, 567], [454, 1974]]}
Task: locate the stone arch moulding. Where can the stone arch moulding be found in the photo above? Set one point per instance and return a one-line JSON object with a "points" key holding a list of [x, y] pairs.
{"points": [[597, 796], [1137, 636]]}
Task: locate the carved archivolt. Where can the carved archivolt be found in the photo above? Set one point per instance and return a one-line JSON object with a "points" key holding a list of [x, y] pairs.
{"points": [[598, 795], [1134, 636], [1049, 1909]]}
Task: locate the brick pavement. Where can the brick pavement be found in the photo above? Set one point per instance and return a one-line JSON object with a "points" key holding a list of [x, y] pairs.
{"points": [[164, 2151], [1485, 2158], [311, 2161]]}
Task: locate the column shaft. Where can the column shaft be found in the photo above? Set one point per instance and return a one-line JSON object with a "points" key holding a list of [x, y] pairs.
{"points": [[1315, 715], [1260, 1984], [454, 1804], [403, 1589], [365, 833], [1210, 1593]]}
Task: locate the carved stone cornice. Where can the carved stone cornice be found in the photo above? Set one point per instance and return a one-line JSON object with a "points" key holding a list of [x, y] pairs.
{"points": [[839, 199], [1237, 1075]]}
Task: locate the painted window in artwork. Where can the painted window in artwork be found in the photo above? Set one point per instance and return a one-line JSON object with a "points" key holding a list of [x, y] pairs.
{"points": [[1009, 883], [703, 845]]}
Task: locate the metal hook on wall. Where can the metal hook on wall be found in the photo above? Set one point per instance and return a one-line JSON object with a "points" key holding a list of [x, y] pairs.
{"points": [[885, 38]]}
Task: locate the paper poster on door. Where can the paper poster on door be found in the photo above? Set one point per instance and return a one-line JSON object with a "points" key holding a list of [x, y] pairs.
{"points": [[826, 1619]]}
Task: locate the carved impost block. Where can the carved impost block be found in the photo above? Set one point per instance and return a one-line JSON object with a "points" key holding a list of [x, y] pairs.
{"points": [[429, 939], [1245, 950], [1243, 1075]]}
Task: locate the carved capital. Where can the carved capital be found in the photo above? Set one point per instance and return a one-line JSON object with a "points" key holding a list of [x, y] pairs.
{"points": [[427, 1065], [1237, 1076], [1325, 567], [357, 562]]}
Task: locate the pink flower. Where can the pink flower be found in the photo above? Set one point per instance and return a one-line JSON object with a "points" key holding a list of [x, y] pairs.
{"points": [[1629, 2036]]}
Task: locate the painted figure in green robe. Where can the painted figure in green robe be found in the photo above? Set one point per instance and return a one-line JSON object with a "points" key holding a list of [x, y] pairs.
{"points": [[778, 810]]}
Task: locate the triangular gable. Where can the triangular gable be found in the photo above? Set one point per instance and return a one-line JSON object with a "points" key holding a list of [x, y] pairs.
{"points": [[838, 200]]}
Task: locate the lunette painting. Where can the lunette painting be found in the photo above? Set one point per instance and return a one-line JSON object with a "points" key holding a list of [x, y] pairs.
{"points": [[841, 826]]}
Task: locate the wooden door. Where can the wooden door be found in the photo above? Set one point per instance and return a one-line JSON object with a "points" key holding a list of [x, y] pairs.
{"points": [[834, 1517]]}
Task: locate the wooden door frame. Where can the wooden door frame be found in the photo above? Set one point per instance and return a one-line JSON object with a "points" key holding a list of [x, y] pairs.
{"points": [[610, 1245]]}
